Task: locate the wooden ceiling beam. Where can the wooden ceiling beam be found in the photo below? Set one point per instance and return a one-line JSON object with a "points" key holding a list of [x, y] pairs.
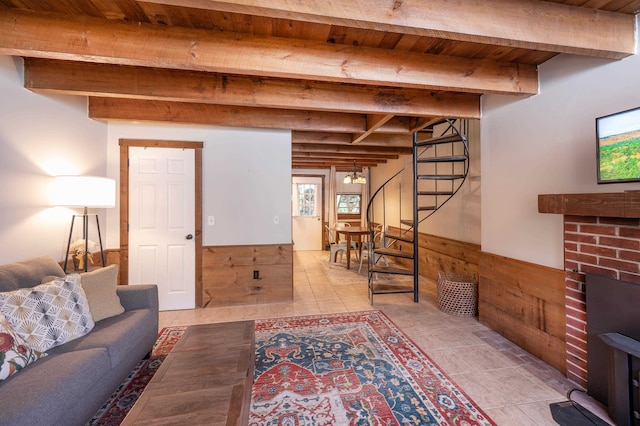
{"points": [[106, 80], [528, 24], [353, 156], [326, 165], [339, 161], [133, 43], [347, 163], [349, 149], [101, 108], [401, 140], [423, 123], [397, 125], [374, 122], [222, 115]]}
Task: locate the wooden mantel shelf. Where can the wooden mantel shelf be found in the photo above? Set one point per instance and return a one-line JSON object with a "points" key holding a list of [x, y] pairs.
{"points": [[614, 204]]}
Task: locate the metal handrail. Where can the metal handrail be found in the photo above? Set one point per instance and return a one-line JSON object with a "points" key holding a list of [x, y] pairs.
{"points": [[455, 180]]}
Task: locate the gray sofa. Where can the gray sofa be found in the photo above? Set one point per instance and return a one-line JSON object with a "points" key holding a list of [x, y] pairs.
{"points": [[71, 383]]}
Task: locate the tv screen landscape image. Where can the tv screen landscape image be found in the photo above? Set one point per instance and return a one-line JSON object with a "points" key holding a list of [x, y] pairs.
{"points": [[618, 149]]}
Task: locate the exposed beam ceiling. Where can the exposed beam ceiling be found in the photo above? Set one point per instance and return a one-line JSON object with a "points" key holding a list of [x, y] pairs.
{"points": [[106, 80], [510, 23], [130, 43], [351, 79]]}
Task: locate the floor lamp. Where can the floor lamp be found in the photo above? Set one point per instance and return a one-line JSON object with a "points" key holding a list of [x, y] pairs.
{"points": [[86, 192]]}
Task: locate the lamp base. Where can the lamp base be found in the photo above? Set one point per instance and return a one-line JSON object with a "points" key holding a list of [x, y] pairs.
{"points": [[81, 260]]}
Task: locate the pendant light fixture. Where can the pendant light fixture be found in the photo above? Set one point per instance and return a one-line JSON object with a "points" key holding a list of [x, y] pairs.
{"points": [[355, 177]]}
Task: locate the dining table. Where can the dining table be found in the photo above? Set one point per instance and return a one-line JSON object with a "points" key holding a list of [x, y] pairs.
{"points": [[349, 232]]}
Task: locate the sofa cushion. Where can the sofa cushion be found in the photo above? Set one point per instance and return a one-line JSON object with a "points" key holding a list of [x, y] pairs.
{"points": [[49, 314], [15, 353], [47, 390], [28, 273], [100, 288], [120, 335]]}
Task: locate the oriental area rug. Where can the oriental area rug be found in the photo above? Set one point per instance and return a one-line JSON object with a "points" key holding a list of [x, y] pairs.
{"points": [[339, 369]]}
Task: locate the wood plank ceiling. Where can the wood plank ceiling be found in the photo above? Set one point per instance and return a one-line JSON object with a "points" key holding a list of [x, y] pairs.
{"points": [[351, 78]]}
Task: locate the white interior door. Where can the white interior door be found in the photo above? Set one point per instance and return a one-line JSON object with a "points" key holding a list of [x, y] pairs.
{"points": [[306, 196], [162, 223]]}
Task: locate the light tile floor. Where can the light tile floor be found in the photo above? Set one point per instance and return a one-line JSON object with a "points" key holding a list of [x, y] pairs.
{"points": [[510, 385]]}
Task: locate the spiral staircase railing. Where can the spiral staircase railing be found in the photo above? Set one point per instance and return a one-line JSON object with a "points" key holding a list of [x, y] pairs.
{"points": [[439, 168]]}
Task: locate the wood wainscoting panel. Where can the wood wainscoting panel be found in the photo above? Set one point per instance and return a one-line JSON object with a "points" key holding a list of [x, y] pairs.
{"points": [[440, 254], [525, 303], [228, 274]]}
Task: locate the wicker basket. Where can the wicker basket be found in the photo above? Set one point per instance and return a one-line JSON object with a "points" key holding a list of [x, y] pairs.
{"points": [[457, 294]]}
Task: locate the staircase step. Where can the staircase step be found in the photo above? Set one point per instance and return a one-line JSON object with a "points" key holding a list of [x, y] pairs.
{"points": [[406, 222], [379, 288], [408, 238], [447, 159], [427, 208], [391, 270], [434, 193], [440, 177], [440, 139], [393, 252]]}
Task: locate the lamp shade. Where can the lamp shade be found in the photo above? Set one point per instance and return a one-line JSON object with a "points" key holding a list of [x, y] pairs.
{"points": [[84, 191]]}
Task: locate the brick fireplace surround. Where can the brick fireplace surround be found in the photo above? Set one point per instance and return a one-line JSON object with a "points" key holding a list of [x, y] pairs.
{"points": [[601, 236]]}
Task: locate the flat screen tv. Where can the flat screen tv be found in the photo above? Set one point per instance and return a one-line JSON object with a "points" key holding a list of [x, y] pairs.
{"points": [[618, 148]]}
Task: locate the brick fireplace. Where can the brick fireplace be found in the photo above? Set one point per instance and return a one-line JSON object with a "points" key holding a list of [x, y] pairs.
{"points": [[604, 246], [602, 237]]}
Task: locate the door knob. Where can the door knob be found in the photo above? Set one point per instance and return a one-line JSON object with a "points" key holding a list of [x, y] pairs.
{"points": [[189, 237]]}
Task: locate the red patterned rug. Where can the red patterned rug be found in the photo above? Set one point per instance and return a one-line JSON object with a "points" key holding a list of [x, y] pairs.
{"points": [[341, 369], [118, 405], [350, 369]]}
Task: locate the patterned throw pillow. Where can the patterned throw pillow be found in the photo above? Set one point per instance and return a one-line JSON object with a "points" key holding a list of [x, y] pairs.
{"points": [[15, 354], [50, 314]]}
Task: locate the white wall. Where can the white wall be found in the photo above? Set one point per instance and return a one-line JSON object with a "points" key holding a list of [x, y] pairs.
{"points": [[246, 180], [40, 136], [459, 218], [391, 215], [546, 144], [246, 173]]}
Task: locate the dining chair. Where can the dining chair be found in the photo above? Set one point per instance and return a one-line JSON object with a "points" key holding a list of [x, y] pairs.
{"points": [[334, 247], [354, 244], [369, 245]]}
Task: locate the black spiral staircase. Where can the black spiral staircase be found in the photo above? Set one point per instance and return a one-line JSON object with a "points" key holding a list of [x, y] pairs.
{"points": [[440, 167]]}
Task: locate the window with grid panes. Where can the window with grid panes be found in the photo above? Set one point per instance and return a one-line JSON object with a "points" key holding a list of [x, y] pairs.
{"points": [[348, 203], [307, 199]]}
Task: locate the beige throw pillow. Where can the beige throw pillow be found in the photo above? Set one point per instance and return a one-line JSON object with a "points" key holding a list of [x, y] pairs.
{"points": [[100, 288]]}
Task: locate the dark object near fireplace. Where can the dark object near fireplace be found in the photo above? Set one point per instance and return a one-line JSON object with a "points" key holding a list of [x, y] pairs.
{"points": [[570, 413], [613, 346]]}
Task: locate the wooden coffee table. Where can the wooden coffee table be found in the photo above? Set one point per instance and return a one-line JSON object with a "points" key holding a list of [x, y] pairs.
{"points": [[205, 379]]}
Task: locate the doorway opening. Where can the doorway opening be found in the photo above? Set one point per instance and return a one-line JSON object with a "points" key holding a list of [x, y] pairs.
{"points": [[307, 212], [194, 215]]}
